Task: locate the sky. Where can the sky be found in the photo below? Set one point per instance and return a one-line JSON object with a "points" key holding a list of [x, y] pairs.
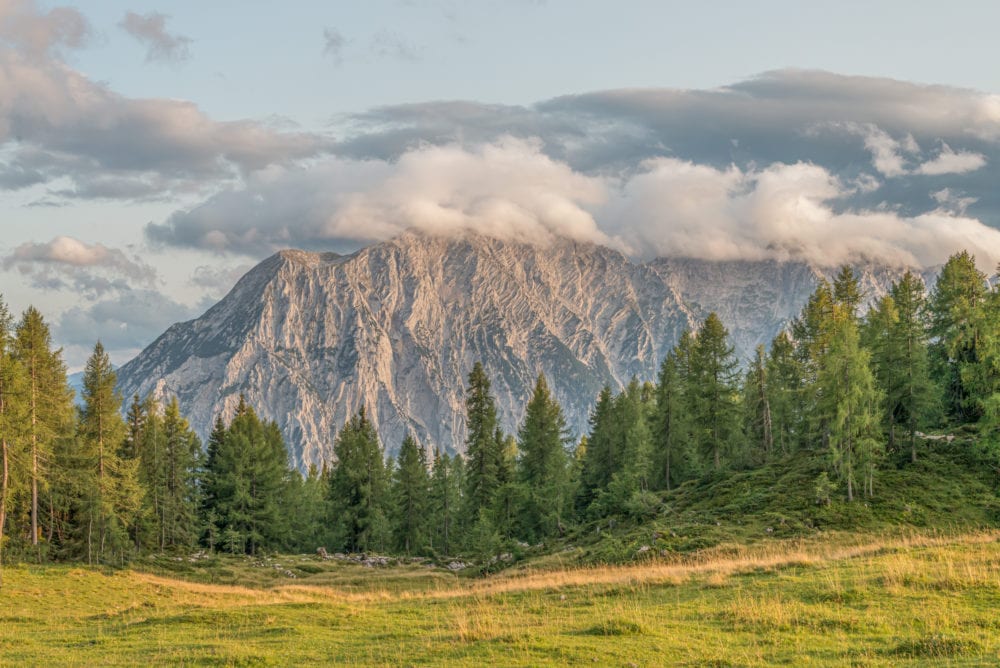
{"points": [[152, 152]]}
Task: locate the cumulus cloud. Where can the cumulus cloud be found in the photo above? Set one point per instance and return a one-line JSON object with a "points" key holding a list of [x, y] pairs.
{"points": [[953, 162], [784, 211], [509, 189], [65, 263], [58, 126], [25, 27], [150, 30]]}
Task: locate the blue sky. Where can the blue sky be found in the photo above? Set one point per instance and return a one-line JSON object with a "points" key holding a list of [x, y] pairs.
{"points": [[150, 152]]}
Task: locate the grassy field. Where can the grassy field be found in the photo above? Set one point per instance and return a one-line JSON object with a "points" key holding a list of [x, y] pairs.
{"points": [[840, 599]]}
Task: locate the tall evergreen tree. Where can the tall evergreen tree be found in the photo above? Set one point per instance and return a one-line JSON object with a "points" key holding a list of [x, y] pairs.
{"points": [[757, 405], [445, 501], [359, 486], [671, 429], [484, 453], [957, 298], [49, 405], [600, 459], [849, 402], [785, 393], [714, 383], [896, 334], [245, 480], [111, 494], [410, 497], [543, 466]]}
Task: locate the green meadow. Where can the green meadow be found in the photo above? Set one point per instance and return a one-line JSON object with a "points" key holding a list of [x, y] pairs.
{"points": [[842, 599]]}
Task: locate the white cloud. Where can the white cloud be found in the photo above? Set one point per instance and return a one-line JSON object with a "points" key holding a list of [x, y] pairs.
{"points": [[512, 190], [784, 211], [509, 189], [952, 162], [65, 263]]}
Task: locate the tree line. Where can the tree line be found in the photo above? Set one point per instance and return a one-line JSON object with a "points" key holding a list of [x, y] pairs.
{"points": [[97, 485]]}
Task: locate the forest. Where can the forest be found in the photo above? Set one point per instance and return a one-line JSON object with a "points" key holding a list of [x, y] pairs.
{"points": [[95, 481]]}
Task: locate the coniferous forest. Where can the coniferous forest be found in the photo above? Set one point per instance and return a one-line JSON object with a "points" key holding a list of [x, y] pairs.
{"points": [[103, 481]]}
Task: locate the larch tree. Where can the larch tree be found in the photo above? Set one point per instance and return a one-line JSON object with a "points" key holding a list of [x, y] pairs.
{"points": [[849, 402], [49, 406], [12, 421]]}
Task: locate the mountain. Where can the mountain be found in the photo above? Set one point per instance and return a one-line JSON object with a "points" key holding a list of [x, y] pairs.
{"points": [[396, 327]]}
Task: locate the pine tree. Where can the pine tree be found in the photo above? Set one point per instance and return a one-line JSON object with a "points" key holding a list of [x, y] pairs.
{"points": [[178, 480], [671, 428], [757, 405], [483, 451], [445, 500], [410, 496], [957, 297], [714, 383], [600, 459], [543, 471], [49, 407], [878, 336], [110, 486], [914, 401], [785, 393], [245, 481], [359, 486]]}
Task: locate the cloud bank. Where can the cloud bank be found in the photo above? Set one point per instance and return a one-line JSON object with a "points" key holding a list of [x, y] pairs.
{"points": [[60, 129]]}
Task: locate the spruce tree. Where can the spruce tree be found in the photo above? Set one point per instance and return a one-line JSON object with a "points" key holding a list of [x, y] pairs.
{"points": [[410, 497], [445, 500], [671, 427], [484, 453], [543, 471], [955, 302], [785, 393], [915, 399], [600, 460], [358, 487], [111, 494], [714, 383], [757, 392]]}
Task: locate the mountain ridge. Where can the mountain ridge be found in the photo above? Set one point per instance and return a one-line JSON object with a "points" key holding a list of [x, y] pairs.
{"points": [[396, 326]]}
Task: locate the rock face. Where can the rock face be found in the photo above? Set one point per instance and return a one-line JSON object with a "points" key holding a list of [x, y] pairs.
{"points": [[397, 326]]}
